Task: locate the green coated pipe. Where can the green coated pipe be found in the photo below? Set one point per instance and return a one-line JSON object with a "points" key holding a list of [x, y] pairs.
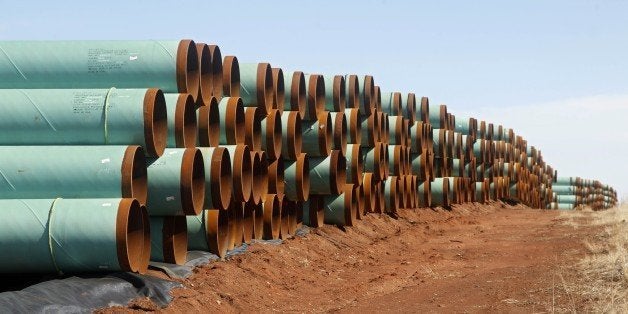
{"points": [[564, 181], [354, 135], [573, 199], [327, 174], [208, 231], [565, 206], [339, 131], [458, 169], [182, 126], [272, 134], [391, 194], [564, 189], [315, 97], [335, 89], [72, 172], [291, 138], [241, 171], [352, 91], [208, 122], [232, 123], [355, 164], [297, 178], [218, 177], [440, 143], [374, 160], [370, 129], [256, 86], [314, 211], [84, 117], [419, 165], [425, 193], [171, 66], [295, 93], [176, 183], [317, 136], [367, 94], [341, 210], [437, 116], [440, 192], [72, 235], [168, 239]]}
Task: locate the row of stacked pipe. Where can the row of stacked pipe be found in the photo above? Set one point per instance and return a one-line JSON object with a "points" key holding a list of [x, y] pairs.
{"points": [[117, 153]]}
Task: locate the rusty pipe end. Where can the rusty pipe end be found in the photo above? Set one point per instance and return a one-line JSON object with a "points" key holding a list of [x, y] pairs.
{"points": [[205, 73], [355, 126], [273, 134], [298, 93], [272, 216], [315, 96], [155, 122], [192, 182], [187, 68], [339, 93], [235, 124], [221, 183], [338, 171], [215, 61], [340, 132], [325, 139], [259, 170], [231, 76], [217, 222], [242, 173], [278, 89], [303, 177], [175, 239], [264, 87], [130, 233], [134, 174], [146, 247], [294, 137], [209, 124], [276, 177], [253, 128], [185, 127]]}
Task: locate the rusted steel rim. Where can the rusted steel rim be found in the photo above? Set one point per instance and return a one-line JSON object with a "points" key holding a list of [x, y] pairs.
{"points": [[209, 124], [187, 68], [155, 122], [231, 77]]}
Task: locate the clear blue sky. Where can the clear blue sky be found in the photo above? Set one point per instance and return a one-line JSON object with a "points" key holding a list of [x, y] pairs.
{"points": [[474, 56]]}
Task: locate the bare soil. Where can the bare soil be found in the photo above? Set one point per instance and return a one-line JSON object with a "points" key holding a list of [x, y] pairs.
{"points": [[489, 258]]}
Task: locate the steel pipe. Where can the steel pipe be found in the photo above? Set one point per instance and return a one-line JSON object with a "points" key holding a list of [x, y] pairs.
{"points": [[276, 180], [215, 71], [327, 174], [317, 136], [256, 86], [297, 178], [204, 69], [425, 193], [271, 134], [231, 77], [352, 91], [72, 172], [242, 172], [391, 194], [440, 192], [272, 216], [72, 235], [391, 103], [218, 177], [339, 130], [208, 121], [232, 121], [182, 127], [368, 183], [315, 97], [168, 239], [284, 219], [341, 209], [278, 89], [236, 229], [409, 108], [370, 130], [355, 164], [314, 211], [84, 117], [171, 66], [209, 231], [366, 95], [296, 95], [354, 135], [335, 93], [292, 141], [176, 184], [374, 160], [260, 180], [248, 222]]}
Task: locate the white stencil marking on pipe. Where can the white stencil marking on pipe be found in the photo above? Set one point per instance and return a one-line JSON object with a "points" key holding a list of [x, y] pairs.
{"points": [[132, 58], [169, 198], [106, 204], [104, 161]]}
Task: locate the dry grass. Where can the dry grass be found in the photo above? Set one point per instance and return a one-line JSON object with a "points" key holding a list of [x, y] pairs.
{"points": [[604, 271]]}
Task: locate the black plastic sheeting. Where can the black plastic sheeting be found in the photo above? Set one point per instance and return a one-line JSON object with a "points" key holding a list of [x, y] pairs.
{"points": [[88, 292]]}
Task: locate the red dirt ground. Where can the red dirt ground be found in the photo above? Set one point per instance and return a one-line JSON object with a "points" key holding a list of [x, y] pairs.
{"points": [[493, 258]]}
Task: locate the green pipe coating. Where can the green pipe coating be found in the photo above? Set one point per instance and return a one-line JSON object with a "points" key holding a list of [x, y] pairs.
{"points": [[391, 188], [311, 132], [439, 195], [434, 116], [565, 181], [564, 189], [565, 206], [220, 200], [230, 110], [64, 235], [295, 170], [249, 84], [175, 114], [65, 171], [93, 64], [479, 192], [462, 125], [77, 116], [165, 184], [168, 239], [572, 199], [335, 210], [424, 201]]}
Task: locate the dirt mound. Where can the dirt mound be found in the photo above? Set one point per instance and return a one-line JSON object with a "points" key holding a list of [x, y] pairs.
{"points": [[472, 258]]}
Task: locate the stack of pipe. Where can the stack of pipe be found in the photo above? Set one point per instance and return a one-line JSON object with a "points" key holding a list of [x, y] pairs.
{"points": [[168, 146], [571, 192]]}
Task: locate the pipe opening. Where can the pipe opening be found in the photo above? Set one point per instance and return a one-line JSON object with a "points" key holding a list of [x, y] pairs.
{"points": [[353, 91], [235, 123], [175, 239], [278, 90], [339, 90], [209, 124], [368, 91], [351, 204], [253, 127], [273, 134], [272, 217], [205, 76], [155, 122], [325, 139], [187, 68], [217, 231], [265, 89], [295, 138], [303, 177], [298, 93], [215, 70], [338, 172], [231, 76], [357, 164], [315, 96], [377, 98], [192, 183], [242, 173], [259, 166], [340, 132], [276, 177], [130, 231], [221, 183], [185, 122], [134, 174]]}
